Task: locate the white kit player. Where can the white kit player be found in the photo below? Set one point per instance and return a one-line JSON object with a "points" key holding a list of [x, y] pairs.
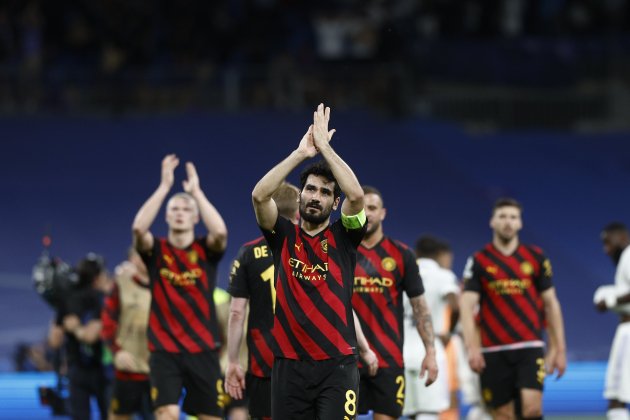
{"points": [[422, 402], [616, 297]]}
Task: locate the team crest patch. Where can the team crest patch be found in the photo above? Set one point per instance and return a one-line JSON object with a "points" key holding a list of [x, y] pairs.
{"points": [[193, 257], [325, 246], [527, 268], [487, 395], [388, 263]]}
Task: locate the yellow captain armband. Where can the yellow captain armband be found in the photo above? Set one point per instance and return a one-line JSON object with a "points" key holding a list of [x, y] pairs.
{"points": [[354, 222]]}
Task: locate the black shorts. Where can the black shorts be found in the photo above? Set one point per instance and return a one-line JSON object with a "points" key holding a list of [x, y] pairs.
{"points": [[129, 396], [307, 389], [509, 371], [198, 373], [383, 393], [258, 392]]}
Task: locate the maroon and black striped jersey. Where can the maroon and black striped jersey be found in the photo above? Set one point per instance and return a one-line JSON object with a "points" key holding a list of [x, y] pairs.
{"points": [[382, 274], [510, 286], [183, 317], [252, 278], [314, 278]]}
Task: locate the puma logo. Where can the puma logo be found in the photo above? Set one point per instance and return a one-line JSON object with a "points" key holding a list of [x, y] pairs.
{"points": [[298, 246]]}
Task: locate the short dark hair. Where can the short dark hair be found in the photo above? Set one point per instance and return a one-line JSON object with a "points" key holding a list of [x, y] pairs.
{"points": [[506, 202], [89, 268], [320, 168], [429, 246], [286, 198], [368, 189], [615, 227]]}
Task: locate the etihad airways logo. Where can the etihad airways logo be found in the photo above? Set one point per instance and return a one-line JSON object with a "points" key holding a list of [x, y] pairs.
{"points": [[187, 278], [510, 286], [309, 272], [364, 284]]}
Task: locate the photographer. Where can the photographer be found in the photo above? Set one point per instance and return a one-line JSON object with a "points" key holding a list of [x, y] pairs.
{"points": [[79, 315]]}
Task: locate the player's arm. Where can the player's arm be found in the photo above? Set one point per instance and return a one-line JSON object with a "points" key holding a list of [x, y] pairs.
{"points": [[467, 307], [109, 317], [142, 237], [557, 354], [264, 206], [216, 240], [366, 353], [234, 373], [424, 324], [348, 182]]}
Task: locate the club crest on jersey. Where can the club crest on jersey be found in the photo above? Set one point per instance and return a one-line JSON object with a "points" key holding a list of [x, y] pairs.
{"points": [[388, 263], [492, 269], [527, 268], [193, 257], [325, 246]]}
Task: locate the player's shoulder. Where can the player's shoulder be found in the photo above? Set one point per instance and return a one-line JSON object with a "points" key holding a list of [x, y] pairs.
{"points": [[396, 243], [535, 250]]}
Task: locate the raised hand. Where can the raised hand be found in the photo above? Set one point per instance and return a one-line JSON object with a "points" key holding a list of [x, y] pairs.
{"points": [[191, 185], [321, 135], [306, 144], [169, 163]]}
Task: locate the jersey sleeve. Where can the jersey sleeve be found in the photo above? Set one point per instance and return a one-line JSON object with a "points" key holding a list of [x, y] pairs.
{"points": [[412, 281], [213, 256], [471, 276], [622, 275], [238, 274], [544, 280], [354, 236], [276, 235]]}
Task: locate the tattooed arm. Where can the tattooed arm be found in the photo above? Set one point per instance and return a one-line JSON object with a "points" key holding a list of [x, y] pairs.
{"points": [[424, 325]]}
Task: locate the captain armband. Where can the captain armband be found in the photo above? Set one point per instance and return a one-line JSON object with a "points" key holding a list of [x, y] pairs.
{"points": [[355, 221]]}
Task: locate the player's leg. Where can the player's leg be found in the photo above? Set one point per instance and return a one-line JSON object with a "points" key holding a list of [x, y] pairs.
{"points": [[337, 389], [203, 382], [498, 384], [531, 376], [617, 387], [291, 396], [166, 378]]}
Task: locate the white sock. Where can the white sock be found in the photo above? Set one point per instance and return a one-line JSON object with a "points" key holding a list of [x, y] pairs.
{"points": [[618, 414]]}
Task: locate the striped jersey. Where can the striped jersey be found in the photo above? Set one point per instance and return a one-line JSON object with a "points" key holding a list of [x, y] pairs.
{"points": [[252, 278], [314, 279], [510, 286], [382, 274], [183, 316]]}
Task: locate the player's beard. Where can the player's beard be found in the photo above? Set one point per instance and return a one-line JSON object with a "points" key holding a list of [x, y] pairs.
{"points": [[315, 219], [372, 228], [506, 238]]}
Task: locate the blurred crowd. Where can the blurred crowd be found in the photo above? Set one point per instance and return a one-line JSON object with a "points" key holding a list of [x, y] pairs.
{"points": [[210, 43]]}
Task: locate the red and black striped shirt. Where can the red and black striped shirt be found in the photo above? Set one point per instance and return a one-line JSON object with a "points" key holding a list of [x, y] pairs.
{"points": [[382, 273], [510, 287], [314, 279], [183, 317], [252, 277]]}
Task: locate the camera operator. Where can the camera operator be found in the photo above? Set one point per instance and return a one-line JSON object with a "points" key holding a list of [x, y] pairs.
{"points": [[79, 315]]}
